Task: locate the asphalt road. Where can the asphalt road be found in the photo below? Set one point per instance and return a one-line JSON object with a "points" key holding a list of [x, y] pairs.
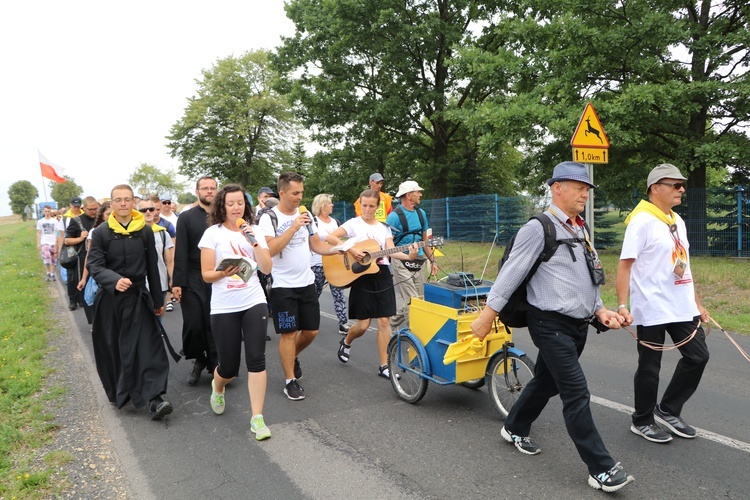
{"points": [[353, 438]]}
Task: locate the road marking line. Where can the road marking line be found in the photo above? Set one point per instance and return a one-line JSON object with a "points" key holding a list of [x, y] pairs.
{"points": [[711, 436]]}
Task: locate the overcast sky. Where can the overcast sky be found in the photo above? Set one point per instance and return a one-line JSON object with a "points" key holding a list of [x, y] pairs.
{"points": [[96, 85]]}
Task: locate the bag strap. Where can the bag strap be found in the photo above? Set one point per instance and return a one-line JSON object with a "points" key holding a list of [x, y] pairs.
{"points": [[405, 224]]}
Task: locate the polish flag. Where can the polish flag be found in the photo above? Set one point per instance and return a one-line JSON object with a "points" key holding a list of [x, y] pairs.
{"points": [[50, 170]]}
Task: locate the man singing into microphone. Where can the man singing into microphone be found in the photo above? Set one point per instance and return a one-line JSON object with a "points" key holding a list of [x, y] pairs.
{"points": [[293, 300]]}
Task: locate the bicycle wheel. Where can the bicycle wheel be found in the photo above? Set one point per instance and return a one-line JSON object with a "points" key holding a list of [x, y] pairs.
{"points": [[506, 378], [410, 387]]}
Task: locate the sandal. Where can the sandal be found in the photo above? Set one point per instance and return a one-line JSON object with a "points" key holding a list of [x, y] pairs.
{"points": [[385, 372], [343, 353]]}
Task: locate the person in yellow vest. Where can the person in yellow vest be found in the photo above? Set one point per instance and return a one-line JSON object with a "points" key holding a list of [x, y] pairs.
{"points": [[385, 203]]}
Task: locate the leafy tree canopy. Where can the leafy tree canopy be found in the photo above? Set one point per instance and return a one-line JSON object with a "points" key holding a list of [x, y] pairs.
{"points": [[238, 127], [378, 89], [63, 192], [147, 179], [22, 194], [186, 198]]}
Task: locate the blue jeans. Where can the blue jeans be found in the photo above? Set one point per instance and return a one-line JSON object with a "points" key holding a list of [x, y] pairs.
{"points": [[558, 371]]}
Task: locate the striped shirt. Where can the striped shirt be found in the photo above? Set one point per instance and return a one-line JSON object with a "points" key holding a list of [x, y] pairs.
{"points": [[561, 284]]}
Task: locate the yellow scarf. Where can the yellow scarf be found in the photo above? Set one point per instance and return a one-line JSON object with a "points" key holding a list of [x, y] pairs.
{"points": [[648, 207], [136, 224], [69, 214], [156, 227]]}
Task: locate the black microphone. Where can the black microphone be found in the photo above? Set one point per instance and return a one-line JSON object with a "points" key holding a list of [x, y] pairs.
{"points": [[310, 228], [241, 225]]}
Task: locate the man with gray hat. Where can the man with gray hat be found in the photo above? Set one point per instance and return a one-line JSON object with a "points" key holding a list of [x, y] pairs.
{"points": [[264, 194], [563, 297], [409, 225], [655, 271], [386, 201]]}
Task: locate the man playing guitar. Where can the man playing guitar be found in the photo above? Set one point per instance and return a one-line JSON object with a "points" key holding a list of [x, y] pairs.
{"points": [[372, 295]]}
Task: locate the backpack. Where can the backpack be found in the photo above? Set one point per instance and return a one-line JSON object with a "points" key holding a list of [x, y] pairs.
{"points": [[405, 225], [68, 257], [514, 312], [266, 280]]}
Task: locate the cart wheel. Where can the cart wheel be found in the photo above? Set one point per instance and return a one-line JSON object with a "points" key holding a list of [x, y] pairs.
{"points": [[473, 384], [506, 378], [405, 360]]}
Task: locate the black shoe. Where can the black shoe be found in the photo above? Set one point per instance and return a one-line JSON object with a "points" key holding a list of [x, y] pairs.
{"points": [[651, 432], [612, 480], [385, 372], [524, 444], [675, 424], [343, 353], [294, 391], [72, 306], [343, 329], [159, 408], [195, 374]]}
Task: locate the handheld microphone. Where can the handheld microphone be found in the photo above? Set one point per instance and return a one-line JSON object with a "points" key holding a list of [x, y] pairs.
{"points": [[310, 228], [241, 225]]}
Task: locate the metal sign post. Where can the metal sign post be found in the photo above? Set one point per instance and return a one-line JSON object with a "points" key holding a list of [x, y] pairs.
{"points": [[590, 145]]}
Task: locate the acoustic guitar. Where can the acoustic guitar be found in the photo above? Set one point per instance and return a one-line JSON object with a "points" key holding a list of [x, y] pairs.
{"points": [[341, 269]]}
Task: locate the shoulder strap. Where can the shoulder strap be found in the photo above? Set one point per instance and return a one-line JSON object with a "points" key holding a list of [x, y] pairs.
{"points": [[405, 225], [550, 243]]}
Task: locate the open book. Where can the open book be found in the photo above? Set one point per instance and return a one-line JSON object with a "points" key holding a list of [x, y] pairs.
{"points": [[247, 265], [347, 244]]}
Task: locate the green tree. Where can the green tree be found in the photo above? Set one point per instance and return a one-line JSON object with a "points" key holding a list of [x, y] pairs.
{"points": [[151, 180], [63, 192], [669, 80], [376, 82], [22, 194], [238, 127], [186, 198]]}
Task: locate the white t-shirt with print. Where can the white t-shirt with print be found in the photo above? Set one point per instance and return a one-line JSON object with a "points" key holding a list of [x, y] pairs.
{"points": [[48, 227], [657, 295], [291, 267], [324, 229], [231, 294], [378, 231]]}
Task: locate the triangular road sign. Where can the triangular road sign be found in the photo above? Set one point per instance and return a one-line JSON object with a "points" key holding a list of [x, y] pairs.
{"points": [[589, 132]]}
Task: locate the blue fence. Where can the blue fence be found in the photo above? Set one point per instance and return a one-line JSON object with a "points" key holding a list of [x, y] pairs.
{"points": [[724, 231]]}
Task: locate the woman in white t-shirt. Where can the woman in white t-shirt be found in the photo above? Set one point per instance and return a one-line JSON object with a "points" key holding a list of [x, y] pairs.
{"points": [[371, 295], [322, 207], [238, 308]]}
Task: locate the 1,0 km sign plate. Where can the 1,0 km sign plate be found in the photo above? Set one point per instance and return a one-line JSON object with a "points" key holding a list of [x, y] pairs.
{"points": [[590, 155]]}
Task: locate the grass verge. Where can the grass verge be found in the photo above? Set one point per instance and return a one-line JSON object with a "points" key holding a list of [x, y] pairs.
{"points": [[722, 283], [25, 426]]}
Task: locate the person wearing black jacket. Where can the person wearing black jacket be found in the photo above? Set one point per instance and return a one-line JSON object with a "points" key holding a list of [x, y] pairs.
{"points": [[76, 235], [130, 355], [188, 286]]}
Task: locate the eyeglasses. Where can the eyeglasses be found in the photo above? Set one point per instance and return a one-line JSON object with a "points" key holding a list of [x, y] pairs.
{"points": [[166, 202], [676, 185], [144, 210], [118, 201], [207, 188]]}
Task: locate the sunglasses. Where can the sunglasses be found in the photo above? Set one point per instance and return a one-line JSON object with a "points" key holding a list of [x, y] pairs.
{"points": [[167, 202], [144, 210], [676, 185]]}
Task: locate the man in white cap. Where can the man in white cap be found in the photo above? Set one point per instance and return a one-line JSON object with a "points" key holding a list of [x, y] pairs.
{"points": [[656, 272], [386, 201], [409, 225], [562, 301]]}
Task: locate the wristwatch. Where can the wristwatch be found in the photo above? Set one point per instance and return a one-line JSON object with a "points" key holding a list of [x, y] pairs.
{"points": [[622, 306]]}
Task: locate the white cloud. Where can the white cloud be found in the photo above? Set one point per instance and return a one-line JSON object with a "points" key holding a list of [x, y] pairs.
{"points": [[96, 86]]}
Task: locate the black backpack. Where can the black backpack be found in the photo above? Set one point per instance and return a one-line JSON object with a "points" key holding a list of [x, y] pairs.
{"points": [[266, 280], [514, 312], [405, 225]]}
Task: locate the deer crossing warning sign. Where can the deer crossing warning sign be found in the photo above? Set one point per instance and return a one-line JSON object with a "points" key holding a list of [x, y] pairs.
{"points": [[589, 132]]}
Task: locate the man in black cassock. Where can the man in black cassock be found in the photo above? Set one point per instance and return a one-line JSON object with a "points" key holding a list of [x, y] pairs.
{"points": [[188, 286], [130, 355]]}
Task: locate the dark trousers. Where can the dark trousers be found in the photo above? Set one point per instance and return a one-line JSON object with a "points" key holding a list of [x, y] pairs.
{"points": [[687, 375], [558, 371]]}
